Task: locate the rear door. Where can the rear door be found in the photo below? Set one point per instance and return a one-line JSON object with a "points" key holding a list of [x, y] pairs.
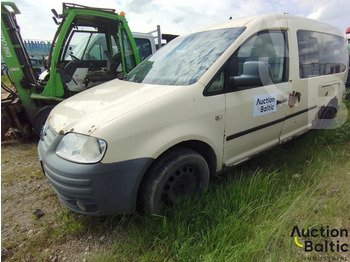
{"points": [[316, 80]]}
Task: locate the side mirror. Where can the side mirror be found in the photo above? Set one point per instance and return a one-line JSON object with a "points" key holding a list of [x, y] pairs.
{"points": [[255, 73]]}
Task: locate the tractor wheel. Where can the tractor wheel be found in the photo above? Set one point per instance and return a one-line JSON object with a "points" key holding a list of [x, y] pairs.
{"points": [[40, 119]]}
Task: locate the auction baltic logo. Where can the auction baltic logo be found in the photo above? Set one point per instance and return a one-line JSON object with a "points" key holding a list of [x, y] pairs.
{"points": [[330, 241]]}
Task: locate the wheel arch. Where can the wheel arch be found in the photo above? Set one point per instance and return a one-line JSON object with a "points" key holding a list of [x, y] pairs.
{"points": [[332, 104], [325, 115], [202, 148]]}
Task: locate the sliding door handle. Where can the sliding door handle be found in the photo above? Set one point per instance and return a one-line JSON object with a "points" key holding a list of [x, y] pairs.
{"points": [[282, 101]]}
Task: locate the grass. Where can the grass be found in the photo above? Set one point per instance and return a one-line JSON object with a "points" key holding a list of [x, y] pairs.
{"points": [[5, 80], [246, 214], [25, 166]]}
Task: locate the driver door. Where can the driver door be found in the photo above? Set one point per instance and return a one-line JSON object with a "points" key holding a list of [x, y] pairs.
{"points": [[255, 112]]}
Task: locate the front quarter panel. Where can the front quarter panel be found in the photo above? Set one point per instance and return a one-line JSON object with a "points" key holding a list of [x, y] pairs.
{"points": [[150, 130]]}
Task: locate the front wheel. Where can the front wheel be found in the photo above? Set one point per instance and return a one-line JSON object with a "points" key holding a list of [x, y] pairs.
{"points": [[175, 175]]}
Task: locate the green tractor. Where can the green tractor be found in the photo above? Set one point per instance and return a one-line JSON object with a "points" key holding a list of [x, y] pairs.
{"points": [[90, 46]]}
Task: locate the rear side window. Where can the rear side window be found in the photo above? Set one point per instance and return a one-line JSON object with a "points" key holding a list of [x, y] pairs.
{"points": [[320, 54]]}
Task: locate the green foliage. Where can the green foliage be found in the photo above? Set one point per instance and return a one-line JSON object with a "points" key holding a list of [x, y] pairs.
{"points": [[5, 80], [248, 213]]}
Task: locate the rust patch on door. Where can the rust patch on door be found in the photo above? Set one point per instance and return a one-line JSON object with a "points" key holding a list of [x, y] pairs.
{"points": [[294, 98]]}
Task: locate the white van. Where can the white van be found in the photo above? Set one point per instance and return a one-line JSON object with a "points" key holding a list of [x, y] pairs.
{"points": [[145, 44], [206, 101]]}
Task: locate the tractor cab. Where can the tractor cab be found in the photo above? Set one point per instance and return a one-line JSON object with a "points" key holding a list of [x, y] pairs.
{"points": [[91, 46]]}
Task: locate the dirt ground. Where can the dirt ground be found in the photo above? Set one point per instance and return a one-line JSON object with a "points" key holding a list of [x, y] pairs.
{"points": [[31, 214]]}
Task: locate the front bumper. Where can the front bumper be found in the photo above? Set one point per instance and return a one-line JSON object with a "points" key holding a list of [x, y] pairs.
{"points": [[91, 189]]}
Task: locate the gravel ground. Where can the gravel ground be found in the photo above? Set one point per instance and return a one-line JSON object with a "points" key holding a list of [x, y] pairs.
{"points": [[31, 214]]}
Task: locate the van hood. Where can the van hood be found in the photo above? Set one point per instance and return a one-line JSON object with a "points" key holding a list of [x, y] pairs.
{"points": [[87, 111]]}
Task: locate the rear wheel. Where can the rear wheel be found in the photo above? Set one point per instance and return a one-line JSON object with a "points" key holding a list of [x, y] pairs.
{"points": [[174, 176], [327, 117]]}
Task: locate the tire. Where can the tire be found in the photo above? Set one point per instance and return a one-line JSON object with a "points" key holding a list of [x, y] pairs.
{"points": [[347, 96], [174, 176], [40, 119], [327, 117]]}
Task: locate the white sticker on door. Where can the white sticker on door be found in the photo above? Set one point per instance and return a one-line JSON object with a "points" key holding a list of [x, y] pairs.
{"points": [[264, 104]]}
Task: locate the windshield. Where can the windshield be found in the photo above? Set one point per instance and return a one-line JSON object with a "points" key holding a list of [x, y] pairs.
{"points": [[185, 59]]}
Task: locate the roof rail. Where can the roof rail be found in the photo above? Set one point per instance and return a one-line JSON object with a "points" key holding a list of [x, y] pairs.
{"points": [[9, 8], [72, 5]]}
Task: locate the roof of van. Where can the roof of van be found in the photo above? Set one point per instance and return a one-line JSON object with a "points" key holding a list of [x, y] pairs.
{"points": [[237, 22], [271, 20]]}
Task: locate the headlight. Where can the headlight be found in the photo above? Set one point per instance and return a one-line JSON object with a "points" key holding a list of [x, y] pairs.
{"points": [[81, 149]]}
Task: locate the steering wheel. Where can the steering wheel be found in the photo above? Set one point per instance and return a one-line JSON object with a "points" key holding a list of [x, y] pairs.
{"points": [[74, 57], [113, 62]]}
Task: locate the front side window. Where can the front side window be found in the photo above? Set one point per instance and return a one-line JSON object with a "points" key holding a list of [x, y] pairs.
{"points": [[217, 85], [320, 54], [184, 60], [260, 61]]}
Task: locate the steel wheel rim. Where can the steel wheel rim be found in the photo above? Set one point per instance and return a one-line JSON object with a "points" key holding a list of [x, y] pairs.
{"points": [[179, 185]]}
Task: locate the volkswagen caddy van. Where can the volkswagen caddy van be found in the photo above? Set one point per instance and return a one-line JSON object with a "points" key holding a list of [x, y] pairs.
{"points": [[208, 100]]}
